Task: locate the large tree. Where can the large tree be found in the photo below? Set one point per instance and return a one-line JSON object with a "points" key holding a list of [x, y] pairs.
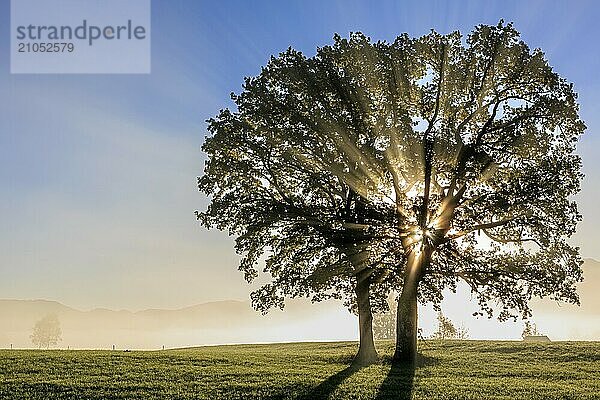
{"points": [[278, 195], [306, 224], [456, 156]]}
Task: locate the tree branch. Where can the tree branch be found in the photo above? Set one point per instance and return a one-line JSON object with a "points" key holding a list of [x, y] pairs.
{"points": [[487, 225]]}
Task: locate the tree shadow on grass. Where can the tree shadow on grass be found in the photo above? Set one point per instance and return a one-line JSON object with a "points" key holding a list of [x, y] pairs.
{"points": [[326, 388], [399, 383]]}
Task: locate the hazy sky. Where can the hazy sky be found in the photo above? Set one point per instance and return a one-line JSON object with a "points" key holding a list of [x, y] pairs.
{"points": [[98, 172]]}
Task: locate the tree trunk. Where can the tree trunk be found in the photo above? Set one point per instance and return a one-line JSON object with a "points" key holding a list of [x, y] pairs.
{"points": [[366, 351], [406, 313], [406, 325]]}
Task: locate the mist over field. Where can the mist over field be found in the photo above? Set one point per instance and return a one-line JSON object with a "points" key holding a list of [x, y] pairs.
{"points": [[219, 322], [233, 321]]}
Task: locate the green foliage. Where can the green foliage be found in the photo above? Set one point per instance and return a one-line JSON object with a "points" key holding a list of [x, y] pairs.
{"points": [[454, 370], [46, 332], [365, 153]]}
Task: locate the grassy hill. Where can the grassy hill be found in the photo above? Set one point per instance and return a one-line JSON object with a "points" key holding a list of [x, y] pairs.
{"points": [[447, 370]]}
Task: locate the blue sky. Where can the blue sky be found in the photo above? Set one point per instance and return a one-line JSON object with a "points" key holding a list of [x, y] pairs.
{"points": [[98, 172]]}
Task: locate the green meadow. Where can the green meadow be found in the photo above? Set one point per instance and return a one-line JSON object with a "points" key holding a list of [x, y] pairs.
{"points": [[446, 370]]}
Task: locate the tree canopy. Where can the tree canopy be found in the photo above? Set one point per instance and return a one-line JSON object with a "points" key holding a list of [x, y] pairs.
{"points": [[46, 331], [429, 160]]}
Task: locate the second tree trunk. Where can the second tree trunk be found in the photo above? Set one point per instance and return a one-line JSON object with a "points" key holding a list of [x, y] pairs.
{"points": [[366, 352]]}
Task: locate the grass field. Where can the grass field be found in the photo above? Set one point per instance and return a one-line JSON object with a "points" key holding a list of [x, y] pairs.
{"points": [[447, 370]]}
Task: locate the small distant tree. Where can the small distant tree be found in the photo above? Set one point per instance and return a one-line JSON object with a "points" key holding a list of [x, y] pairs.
{"points": [[530, 330], [447, 330], [462, 333], [46, 332]]}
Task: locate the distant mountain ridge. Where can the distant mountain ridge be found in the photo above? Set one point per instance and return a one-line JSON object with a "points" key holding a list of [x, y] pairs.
{"points": [[234, 321], [227, 321], [55, 304]]}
